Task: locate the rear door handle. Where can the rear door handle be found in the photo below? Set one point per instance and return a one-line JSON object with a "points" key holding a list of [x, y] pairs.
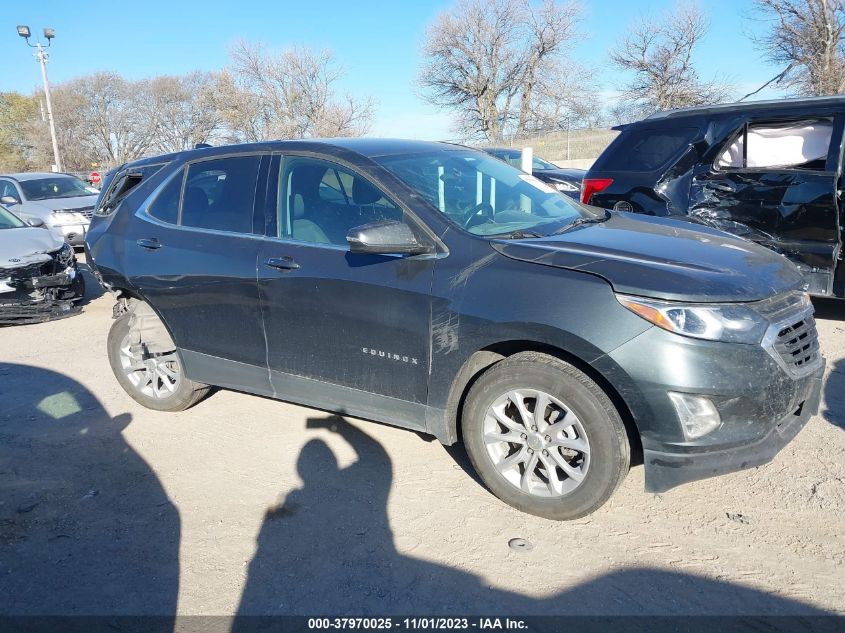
{"points": [[150, 243], [282, 263]]}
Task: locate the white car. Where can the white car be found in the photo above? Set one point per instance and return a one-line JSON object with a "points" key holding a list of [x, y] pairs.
{"points": [[39, 277], [62, 202]]}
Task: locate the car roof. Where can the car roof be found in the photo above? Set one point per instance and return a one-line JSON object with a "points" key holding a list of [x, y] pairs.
{"points": [[772, 105], [367, 147], [34, 175]]}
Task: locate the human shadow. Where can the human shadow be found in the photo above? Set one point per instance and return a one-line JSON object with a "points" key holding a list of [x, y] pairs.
{"points": [[834, 395], [327, 548], [833, 309], [85, 525]]}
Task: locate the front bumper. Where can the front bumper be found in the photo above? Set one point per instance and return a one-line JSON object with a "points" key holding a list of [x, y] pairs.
{"points": [[43, 296], [666, 470], [761, 406]]}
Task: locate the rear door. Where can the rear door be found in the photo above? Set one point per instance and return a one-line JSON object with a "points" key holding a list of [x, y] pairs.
{"points": [[775, 182], [192, 254]]}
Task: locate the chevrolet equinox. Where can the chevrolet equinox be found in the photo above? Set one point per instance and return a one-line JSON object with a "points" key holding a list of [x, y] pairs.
{"points": [[434, 287]]}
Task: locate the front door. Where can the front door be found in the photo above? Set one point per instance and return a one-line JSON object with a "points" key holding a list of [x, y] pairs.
{"points": [[776, 183], [345, 331]]}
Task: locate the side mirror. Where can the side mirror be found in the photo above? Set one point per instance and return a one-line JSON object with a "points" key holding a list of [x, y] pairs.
{"points": [[9, 200], [35, 222], [387, 237]]}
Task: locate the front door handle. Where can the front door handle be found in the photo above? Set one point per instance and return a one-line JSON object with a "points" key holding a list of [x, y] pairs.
{"points": [[150, 243], [282, 263]]}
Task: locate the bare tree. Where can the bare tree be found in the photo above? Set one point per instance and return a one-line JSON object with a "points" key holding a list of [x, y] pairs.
{"points": [[488, 59], [181, 111], [101, 116], [659, 56], [806, 36], [291, 95]]}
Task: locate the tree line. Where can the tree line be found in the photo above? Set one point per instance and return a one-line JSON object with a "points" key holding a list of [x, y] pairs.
{"points": [[503, 68]]}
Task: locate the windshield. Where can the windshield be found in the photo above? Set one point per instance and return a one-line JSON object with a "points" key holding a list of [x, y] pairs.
{"points": [[482, 194], [55, 187], [514, 158], [9, 221]]}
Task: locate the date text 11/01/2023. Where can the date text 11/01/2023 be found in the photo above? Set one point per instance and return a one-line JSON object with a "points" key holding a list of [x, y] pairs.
{"points": [[419, 623]]}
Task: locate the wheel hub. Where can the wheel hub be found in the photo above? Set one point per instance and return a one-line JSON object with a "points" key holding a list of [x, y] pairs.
{"points": [[536, 442]]}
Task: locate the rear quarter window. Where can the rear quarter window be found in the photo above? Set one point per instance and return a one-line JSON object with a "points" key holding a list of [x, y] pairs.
{"points": [[120, 184], [645, 149]]}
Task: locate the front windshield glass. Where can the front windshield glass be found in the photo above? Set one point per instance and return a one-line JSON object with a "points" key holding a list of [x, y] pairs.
{"points": [[55, 187], [9, 221], [514, 158], [484, 195]]}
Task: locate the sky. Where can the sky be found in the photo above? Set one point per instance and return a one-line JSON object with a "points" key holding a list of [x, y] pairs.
{"points": [[378, 42]]}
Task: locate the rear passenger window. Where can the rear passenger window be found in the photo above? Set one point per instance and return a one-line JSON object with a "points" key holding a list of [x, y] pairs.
{"points": [[220, 194], [647, 149], [166, 205], [787, 145]]}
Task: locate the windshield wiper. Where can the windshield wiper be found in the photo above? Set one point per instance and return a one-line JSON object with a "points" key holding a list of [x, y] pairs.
{"points": [[581, 221], [517, 235]]}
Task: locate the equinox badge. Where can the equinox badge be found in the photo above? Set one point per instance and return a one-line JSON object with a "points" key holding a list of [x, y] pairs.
{"points": [[389, 356]]}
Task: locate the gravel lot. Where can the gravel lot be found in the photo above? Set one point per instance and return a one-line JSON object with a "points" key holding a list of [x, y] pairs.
{"points": [[247, 505]]}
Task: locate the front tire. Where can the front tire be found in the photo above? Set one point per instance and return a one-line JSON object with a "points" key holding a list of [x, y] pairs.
{"points": [[544, 437], [155, 381]]}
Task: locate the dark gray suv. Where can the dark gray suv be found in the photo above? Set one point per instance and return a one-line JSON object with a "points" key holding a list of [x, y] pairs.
{"points": [[434, 287]]}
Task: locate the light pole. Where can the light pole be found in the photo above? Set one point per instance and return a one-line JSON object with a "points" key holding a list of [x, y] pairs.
{"points": [[42, 57]]}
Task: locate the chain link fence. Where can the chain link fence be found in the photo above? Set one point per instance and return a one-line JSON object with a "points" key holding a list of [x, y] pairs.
{"points": [[566, 148]]}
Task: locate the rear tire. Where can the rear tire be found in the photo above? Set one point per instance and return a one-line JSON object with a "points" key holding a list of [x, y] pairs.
{"points": [[562, 463], [157, 382]]}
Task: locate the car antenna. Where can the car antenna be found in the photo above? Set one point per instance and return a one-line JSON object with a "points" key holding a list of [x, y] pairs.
{"points": [[202, 145]]}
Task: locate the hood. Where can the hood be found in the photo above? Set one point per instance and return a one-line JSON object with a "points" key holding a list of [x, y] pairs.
{"points": [[51, 204], [663, 259], [20, 247]]}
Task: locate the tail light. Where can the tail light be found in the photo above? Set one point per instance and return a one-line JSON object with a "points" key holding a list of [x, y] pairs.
{"points": [[593, 185]]}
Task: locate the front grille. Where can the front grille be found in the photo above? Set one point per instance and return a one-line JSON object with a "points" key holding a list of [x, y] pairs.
{"points": [[798, 345], [792, 339], [88, 212]]}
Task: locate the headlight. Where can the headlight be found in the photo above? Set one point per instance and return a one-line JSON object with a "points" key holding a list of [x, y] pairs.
{"points": [[561, 185], [730, 322], [65, 254], [62, 217]]}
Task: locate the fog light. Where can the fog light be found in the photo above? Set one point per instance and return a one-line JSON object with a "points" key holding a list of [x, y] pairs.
{"points": [[697, 414]]}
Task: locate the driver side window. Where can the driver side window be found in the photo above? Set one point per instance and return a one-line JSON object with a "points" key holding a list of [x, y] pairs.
{"points": [[8, 189], [319, 202]]}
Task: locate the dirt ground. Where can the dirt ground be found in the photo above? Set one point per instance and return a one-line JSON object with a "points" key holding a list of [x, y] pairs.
{"points": [[247, 505]]}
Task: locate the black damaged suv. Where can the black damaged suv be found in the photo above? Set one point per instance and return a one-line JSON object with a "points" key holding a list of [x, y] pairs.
{"points": [[768, 171], [434, 287]]}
